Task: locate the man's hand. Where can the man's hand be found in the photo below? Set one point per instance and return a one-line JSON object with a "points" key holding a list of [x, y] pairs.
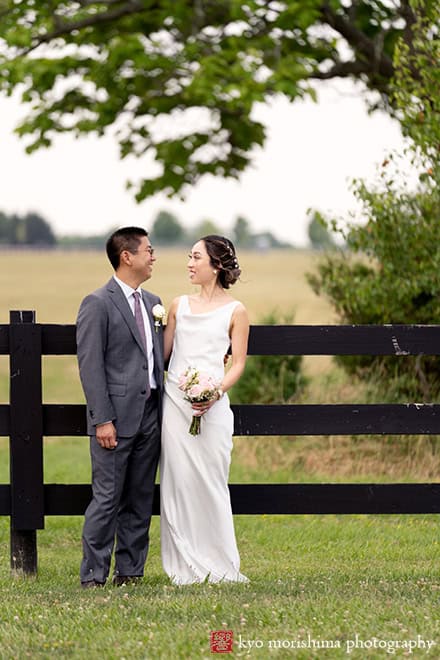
{"points": [[106, 435]]}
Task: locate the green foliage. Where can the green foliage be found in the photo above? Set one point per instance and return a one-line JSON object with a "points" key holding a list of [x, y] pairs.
{"points": [[417, 83], [87, 66], [395, 277], [270, 378], [30, 229], [8, 229], [166, 229], [204, 228], [37, 230], [241, 232], [319, 235], [389, 274]]}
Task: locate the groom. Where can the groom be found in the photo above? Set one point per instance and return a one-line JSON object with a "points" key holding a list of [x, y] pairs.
{"points": [[120, 356]]}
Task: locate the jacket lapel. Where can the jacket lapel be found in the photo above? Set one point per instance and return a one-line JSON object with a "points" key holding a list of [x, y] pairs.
{"points": [[120, 301]]}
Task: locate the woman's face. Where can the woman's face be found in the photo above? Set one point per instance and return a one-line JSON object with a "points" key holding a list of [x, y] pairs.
{"points": [[199, 265]]}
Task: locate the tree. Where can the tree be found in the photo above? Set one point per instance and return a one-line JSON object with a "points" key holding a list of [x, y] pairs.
{"points": [[167, 229], [319, 235], [204, 228], [30, 229], [390, 270], [241, 232], [417, 85], [37, 231], [7, 229], [88, 65]]}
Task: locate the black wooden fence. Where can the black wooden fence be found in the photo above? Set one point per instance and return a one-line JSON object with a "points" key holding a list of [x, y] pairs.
{"points": [[27, 499]]}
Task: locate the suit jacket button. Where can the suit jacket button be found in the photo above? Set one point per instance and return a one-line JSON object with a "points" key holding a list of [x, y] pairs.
{"points": [[144, 366], [144, 392]]}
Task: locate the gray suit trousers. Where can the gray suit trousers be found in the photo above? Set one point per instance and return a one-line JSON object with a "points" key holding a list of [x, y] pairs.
{"points": [[123, 487]]}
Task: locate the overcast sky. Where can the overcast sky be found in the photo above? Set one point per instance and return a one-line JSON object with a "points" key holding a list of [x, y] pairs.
{"points": [[312, 152]]}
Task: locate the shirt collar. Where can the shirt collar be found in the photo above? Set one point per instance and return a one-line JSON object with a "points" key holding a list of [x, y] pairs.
{"points": [[126, 289]]}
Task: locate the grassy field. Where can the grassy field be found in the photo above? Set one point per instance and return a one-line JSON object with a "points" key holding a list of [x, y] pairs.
{"points": [[53, 283], [353, 586], [330, 578]]}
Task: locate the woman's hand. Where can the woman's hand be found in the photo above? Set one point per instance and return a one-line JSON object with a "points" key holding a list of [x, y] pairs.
{"points": [[201, 408]]}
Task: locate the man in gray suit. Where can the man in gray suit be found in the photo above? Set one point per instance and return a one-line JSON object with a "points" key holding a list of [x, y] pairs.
{"points": [[120, 356]]}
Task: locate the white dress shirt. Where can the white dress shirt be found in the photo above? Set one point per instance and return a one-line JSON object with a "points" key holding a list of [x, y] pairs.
{"points": [[128, 293]]}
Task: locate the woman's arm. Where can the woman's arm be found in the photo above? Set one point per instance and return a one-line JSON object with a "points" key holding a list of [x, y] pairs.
{"points": [[239, 343]]}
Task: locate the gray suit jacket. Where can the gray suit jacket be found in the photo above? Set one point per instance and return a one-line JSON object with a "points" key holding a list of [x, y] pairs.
{"points": [[112, 361]]}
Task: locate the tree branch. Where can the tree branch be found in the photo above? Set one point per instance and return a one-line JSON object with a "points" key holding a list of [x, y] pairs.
{"points": [[342, 70], [88, 3], [407, 13], [130, 7], [379, 62]]}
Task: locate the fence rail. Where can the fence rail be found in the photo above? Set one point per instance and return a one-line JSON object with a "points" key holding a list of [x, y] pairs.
{"points": [[26, 420]]}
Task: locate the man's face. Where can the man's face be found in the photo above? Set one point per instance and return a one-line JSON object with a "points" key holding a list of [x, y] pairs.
{"points": [[143, 260]]}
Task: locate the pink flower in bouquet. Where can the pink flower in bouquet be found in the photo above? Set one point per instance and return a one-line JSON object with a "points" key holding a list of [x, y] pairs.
{"points": [[198, 387], [206, 382], [196, 391], [182, 382]]}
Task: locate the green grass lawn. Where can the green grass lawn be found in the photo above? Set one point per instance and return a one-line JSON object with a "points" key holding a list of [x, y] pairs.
{"points": [[327, 577], [316, 580]]}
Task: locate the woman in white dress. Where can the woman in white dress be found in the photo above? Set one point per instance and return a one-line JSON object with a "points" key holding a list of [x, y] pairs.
{"points": [[197, 529]]}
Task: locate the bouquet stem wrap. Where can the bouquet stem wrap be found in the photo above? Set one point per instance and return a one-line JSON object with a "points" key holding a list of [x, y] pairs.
{"points": [[194, 429]]}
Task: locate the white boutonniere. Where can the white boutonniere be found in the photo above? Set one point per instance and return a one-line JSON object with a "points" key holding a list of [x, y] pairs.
{"points": [[159, 315]]}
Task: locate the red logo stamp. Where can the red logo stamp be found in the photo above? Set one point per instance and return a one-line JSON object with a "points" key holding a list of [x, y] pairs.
{"points": [[221, 641]]}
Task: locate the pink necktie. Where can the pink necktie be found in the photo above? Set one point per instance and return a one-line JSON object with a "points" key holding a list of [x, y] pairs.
{"points": [[140, 324], [138, 318]]}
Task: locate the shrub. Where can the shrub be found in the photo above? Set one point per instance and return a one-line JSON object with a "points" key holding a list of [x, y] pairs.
{"points": [[270, 378], [389, 273]]}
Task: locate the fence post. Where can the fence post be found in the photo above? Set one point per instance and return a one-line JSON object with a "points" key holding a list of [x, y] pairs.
{"points": [[26, 441]]}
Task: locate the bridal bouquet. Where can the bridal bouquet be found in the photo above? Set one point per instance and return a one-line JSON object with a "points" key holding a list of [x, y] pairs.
{"points": [[198, 387]]}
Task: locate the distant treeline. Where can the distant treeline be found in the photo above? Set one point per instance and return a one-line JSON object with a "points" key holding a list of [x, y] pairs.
{"points": [[167, 230], [34, 231], [29, 229]]}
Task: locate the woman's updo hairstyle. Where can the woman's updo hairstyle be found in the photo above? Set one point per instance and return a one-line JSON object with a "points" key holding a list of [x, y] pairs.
{"points": [[222, 255]]}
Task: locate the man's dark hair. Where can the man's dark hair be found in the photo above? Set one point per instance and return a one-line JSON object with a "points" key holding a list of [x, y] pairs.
{"points": [[126, 238]]}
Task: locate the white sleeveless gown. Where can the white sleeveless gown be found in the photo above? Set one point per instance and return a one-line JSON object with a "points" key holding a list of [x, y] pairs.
{"points": [[197, 529]]}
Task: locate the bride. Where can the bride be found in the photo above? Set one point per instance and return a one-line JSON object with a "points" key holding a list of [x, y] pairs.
{"points": [[197, 529]]}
